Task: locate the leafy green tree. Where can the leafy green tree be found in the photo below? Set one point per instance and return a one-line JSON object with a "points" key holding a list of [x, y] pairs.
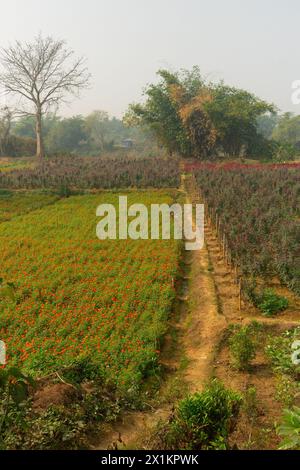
{"points": [[288, 129], [193, 117], [266, 124], [25, 127], [67, 135], [234, 113], [97, 129], [160, 114]]}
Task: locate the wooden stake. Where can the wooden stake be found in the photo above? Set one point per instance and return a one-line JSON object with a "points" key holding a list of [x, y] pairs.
{"points": [[240, 294]]}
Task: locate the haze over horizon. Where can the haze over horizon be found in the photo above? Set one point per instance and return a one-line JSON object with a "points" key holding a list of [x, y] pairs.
{"points": [[249, 45]]}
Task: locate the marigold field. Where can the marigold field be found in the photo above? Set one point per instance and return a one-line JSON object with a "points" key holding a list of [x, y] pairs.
{"points": [[79, 299], [13, 204]]}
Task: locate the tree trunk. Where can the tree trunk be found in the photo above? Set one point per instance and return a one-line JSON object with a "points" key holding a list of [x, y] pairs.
{"points": [[40, 152]]}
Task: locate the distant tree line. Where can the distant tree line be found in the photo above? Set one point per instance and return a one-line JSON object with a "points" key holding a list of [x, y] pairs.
{"points": [[94, 134], [193, 117]]}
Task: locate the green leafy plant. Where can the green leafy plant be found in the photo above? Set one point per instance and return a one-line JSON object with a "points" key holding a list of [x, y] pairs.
{"points": [[287, 390], [15, 388], [279, 350], [61, 426], [14, 385], [271, 303], [204, 420], [7, 290], [289, 429], [242, 346]]}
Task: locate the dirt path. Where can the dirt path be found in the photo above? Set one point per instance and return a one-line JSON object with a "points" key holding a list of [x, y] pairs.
{"points": [[199, 329]]}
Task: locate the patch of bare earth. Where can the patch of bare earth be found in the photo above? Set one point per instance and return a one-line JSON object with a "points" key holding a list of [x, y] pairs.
{"points": [[54, 394]]}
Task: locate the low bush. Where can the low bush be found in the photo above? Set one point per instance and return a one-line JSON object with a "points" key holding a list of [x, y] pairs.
{"points": [[203, 420], [271, 303], [242, 345], [289, 430], [279, 351], [59, 426]]}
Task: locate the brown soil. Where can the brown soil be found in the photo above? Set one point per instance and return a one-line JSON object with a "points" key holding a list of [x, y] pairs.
{"points": [[54, 394]]}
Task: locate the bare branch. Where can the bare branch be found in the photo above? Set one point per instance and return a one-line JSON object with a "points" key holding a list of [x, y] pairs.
{"points": [[42, 71]]}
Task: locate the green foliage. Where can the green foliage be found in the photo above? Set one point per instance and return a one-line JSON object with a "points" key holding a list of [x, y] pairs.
{"points": [[266, 124], [287, 390], [243, 345], [175, 113], [188, 115], [93, 134], [262, 149], [204, 420], [266, 300], [61, 426], [271, 303], [55, 428], [82, 369], [25, 127], [160, 114], [289, 429], [279, 351], [15, 384], [287, 129], [14, 387], [234, 113], [283, 152], [7, 290], [66, 135]]}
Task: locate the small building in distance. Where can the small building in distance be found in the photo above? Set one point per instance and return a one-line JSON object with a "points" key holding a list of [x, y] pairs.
{"points": [[127, 143]]}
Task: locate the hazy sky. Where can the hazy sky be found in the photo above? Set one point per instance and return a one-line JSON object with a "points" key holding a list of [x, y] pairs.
{"points": [[252, 44]]}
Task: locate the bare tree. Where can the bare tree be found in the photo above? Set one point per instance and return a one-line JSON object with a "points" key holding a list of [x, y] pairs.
{"points": [[42, 73]]}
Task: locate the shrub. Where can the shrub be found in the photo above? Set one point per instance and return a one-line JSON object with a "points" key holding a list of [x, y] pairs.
{"points": [[279, 351], [287, 390], [289, 430], [271, 303], [204, 420], [242, 346], [60, 426]]}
